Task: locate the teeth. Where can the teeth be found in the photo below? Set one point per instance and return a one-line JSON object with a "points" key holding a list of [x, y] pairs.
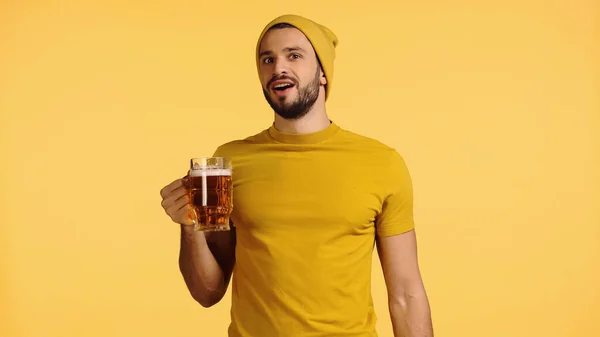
{"points": [[282, 85]]}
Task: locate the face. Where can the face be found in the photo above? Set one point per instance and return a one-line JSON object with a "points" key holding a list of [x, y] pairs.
{"points": [[289, 72]]}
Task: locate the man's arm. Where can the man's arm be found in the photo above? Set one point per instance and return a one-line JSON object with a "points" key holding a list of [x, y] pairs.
{"points": [[206, 261], [407, 300]]}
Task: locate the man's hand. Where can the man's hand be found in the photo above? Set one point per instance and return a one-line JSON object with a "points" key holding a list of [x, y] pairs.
{"points": [[176, 201]]}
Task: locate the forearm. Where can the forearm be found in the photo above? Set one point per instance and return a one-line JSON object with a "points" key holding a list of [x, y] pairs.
{"points": [[411, 315], [202, 273]]}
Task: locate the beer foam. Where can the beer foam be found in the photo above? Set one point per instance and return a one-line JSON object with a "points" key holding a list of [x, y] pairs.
{"points": [[210, 172]]}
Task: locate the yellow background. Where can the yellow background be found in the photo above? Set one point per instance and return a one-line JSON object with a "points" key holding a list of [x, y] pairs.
{"points": [[494, 106]]}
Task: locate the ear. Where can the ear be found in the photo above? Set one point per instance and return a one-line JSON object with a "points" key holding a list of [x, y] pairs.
{"points": [[323, 79]]}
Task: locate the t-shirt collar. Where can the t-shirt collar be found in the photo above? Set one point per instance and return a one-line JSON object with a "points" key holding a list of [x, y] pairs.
{"points": [[306, 138]]}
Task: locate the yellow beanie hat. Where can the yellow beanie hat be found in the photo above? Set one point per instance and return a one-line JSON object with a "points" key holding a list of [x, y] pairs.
{"points": [[322, 39]]}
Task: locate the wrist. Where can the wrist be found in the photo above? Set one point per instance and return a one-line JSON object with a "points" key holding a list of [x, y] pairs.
{"points": [[187, 228]]}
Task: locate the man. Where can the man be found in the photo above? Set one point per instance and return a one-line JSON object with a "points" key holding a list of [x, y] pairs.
{"points": [[311, 201]]}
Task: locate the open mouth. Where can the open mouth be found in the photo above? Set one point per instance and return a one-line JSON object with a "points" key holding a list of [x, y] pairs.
{"points": [[282, 87]]}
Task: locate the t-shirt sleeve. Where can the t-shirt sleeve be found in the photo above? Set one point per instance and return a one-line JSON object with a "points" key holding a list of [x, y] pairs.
{"points": [[396, 216], [219, 151], [224, 150]]}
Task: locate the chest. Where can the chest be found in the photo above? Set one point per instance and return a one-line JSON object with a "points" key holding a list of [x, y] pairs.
{"points": [[294, 191]]}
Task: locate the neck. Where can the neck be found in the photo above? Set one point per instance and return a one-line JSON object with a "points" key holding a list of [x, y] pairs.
{"points": [[314, 120]]}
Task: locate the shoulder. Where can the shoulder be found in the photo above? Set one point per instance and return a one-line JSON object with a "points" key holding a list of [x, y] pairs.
{"points": [[388, 159], [370, 145], [239, 146]]}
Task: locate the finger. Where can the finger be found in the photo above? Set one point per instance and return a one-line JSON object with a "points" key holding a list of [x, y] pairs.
{"points": [[175, 195], [176, 205], [171, 187], [184, 216], [186, 180], [173, 198]]}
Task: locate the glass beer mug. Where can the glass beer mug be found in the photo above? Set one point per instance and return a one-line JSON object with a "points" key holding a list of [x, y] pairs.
{"points": [[211, 193]]}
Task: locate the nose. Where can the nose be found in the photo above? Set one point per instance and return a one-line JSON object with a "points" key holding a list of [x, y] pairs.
{"points": [[280, 66]]}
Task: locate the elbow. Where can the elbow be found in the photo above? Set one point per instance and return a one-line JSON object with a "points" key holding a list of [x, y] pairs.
{"points": [[207, 299], [206, 292], [401, 301], [398, 302], [206, 303]]}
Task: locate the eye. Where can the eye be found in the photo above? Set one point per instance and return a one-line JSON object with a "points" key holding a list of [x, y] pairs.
{"points": [[268, 60], [295, 56]]}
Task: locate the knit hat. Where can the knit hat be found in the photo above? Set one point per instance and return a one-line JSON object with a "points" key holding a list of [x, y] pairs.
{"points": [[322, 39]]}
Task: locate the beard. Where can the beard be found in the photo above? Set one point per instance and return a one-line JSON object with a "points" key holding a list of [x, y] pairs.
{"points": [[307, 96]]}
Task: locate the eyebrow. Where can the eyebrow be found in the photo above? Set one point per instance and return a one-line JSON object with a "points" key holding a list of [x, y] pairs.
{"points": [[287, 49]]}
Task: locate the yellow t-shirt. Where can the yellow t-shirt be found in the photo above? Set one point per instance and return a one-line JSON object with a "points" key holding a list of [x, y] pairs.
{"points": [[306, 212]]}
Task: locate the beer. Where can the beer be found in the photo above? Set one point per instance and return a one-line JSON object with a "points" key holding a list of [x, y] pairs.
{"points": [[211, 193]]}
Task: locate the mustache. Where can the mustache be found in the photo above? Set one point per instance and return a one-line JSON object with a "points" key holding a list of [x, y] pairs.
{"points": [[280, 77]]}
